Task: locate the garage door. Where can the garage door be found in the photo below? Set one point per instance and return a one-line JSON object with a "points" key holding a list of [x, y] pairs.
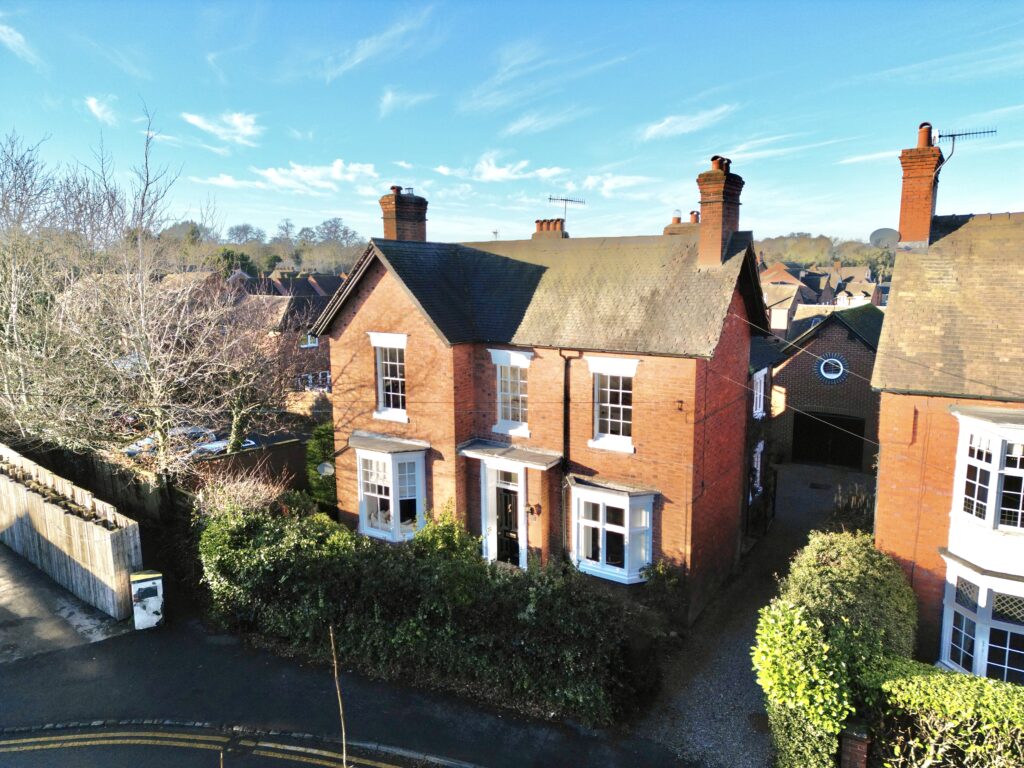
{"points": [[822, 438]]}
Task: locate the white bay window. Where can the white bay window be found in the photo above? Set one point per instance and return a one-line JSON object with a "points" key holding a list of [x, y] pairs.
{"points": [[612, 533], [391, 494]]}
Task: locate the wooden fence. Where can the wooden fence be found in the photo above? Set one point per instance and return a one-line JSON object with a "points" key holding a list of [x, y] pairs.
{"points": [[83, 543]]}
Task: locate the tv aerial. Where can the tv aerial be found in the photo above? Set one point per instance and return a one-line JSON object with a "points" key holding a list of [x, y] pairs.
{"points": [[952, 136], [566, 202]]}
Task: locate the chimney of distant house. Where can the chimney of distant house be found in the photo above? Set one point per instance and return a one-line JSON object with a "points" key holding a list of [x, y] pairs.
{"points": [[719, 210], [920, 183], [550, 229], [405, 215], [677, 227]]}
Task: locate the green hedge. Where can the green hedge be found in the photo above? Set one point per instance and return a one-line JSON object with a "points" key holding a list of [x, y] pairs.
{"points": [[843, 605], [929, 718], [320, 449], [430, 611]]}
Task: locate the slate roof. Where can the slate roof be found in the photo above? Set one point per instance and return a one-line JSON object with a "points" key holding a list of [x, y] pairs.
{"points": [[864, 321], [765, 352], [782, 295], [804, 318], [626, 294], [955, 318]]}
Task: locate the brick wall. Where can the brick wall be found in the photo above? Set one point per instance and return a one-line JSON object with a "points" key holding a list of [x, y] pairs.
{"points": [[915, 489], [380, 304], [721, 407], [797, 385]]}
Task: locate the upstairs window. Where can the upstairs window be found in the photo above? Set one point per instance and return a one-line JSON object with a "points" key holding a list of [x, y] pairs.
{"points": [[389, 354], [309, 341], [613, 403], [991, 478], [757, 384], [511, 367]]}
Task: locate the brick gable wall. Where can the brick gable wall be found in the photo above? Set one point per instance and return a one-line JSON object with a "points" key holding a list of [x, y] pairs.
{"points": [[916, 467], [797, 385]]}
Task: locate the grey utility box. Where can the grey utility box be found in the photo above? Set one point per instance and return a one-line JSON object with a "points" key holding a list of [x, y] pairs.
{"points": [[148, 599]]}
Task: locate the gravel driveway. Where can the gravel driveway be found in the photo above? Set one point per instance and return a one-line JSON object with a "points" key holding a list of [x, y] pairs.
{"points": [[710, 710]]}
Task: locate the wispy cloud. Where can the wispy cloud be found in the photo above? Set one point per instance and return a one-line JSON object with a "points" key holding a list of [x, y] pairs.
{"points": [[608, 184], [15, 42], [993, 115], [393, 39], [127, 59], [314, 180], [298, 135], [525, 72], [102, 109], [177, 141], [403, 164], [488, 169], [232, 127], [759, 149], [393, 100], [871, 157], [966, 66], [676, 125], [538, 122]]}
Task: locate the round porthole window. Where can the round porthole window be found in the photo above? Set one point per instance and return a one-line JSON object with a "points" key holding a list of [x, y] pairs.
{"points": [[832, 368]]}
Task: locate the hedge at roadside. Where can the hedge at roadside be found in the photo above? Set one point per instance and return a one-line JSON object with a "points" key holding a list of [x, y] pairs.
{"points": [[843, 605], [930, 717], [430, 611]]}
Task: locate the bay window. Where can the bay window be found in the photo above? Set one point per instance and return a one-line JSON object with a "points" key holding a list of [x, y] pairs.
{"points": [[391, 494], [612, 533]]}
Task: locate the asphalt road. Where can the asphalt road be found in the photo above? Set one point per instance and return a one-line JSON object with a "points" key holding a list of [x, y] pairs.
{"points": [[177, 748]]}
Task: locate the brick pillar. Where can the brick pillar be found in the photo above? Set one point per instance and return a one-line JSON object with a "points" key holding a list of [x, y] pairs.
{"points": [[719, 210], [920, 185], [853, 747], [405, 215]]}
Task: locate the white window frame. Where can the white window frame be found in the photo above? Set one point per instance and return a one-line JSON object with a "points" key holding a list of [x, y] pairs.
{"points": [[489, 469], [382, 341], [982, 615], [630, 572], [391, 461], [611, 366], [510, 358], [309, 341], [758, 382], [996, 438], [324, 381]]}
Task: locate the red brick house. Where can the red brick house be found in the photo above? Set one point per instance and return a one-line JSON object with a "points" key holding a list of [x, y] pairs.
{"points": [[824, 410], [951, 466], [585, 397]]}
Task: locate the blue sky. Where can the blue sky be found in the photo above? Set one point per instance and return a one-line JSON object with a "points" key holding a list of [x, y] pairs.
{"points": [[312, 110]]}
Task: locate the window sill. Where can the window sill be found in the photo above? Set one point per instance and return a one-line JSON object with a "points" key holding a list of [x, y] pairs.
{"points": [[610, 573], [389, 536], [612, 443], [392, 414], [511, 428]]}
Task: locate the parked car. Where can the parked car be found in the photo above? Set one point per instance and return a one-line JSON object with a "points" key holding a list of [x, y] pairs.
{"points": [[217, 447], [185, 436]]}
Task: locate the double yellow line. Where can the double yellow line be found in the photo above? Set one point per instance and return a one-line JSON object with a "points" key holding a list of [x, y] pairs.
{"points": [[176, 739]]}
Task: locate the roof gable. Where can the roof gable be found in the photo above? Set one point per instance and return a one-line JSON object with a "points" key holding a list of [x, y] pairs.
{"points": [[864, 322]]}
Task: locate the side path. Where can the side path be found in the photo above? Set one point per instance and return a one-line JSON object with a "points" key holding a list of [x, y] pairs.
{"points": [[181, 672], [711, 709]]}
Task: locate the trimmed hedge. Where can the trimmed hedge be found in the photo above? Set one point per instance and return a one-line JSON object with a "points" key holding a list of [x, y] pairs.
{"points": [[843, 605], [430, 611], [930, 717]]}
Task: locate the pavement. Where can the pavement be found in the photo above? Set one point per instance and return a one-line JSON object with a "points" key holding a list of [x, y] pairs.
{"points": [[37, 615], [711, 711]]}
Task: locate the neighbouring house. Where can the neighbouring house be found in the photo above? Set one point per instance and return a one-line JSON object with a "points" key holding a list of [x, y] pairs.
{"points": [[807, 316], [782, 300], [855, 294], [580, 397], [951, 468], [824, 410]]}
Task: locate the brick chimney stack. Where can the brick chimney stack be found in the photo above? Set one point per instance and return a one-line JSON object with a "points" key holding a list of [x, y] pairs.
{"points": [[678, 227], [920, 185], [719, 210], [405, 215], [550, 229]]}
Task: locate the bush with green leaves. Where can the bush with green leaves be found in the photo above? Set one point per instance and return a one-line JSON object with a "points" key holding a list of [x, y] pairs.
{"points": [[842, 607], [929, 718], [429, 611], [320, 449]]}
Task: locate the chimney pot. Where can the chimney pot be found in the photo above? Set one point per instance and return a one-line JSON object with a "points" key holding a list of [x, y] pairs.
{"points": [[677, 219], [695, 217], [924, 135], [716, 162], [550, 229], [396, 190]]}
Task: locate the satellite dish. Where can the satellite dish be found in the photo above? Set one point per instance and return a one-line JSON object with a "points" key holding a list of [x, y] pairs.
{"points": [[884, 238], [326, 469]]}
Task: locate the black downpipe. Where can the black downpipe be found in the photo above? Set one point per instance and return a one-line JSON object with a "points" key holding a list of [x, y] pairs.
{"points": [[566, 434]]}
